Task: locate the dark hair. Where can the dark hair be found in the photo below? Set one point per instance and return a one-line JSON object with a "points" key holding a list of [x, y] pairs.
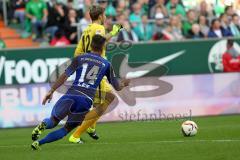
{"points": [[213, 21], [207, 21], [98, 42], [102, 1], [96, 11], [189, 11], [59, 33], [230, 42], [173, 7], [222, 15], [227, 8], [235, 15]]}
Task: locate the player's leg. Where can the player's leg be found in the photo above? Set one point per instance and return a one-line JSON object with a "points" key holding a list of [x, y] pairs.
{"points": [[77, 108], [59, 112], [54, 136], [92, 131], [103, 102], [91, 128], [92, 117], [99, 98], [47, 123]]}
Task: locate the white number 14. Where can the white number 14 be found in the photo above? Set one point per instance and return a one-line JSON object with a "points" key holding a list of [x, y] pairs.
{"points": [[91, 75]]}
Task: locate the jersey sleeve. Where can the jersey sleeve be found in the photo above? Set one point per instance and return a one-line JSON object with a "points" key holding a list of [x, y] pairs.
{"points": [[72, 67], [112, 79]]}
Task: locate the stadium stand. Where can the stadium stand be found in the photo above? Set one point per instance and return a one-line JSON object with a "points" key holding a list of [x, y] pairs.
{"points": [[12, 39], [144, 20]]}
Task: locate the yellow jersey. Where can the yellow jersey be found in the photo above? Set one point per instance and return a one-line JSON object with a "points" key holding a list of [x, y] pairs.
{"points": [[84, 44]]}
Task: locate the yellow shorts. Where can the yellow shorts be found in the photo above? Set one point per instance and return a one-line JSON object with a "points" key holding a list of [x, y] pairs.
{"points": [[101, 94]]}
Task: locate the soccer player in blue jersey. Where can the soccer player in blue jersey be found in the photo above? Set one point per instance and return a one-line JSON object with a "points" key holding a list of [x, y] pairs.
{"points": [[90, 68]]}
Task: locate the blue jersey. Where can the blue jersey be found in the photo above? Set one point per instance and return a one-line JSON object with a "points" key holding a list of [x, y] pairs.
{"points": [[90, 69]]}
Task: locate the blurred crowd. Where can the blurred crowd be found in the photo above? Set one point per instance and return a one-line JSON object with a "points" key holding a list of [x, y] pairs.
{"points": [[56, 21]]}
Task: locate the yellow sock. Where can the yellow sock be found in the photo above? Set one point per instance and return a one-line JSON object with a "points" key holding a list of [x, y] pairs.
{"points": [[92, 128], [91, 119], [84, 126], [94, 125]]}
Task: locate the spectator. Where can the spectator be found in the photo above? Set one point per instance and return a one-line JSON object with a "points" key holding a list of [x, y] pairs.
{"points": [[110, 10], [159, 26], [235, 26], [205, 10], [229, 12], [159, 5], [59, 39], [121, 18], [174, 30], [80, 8], [216, 31], [70, 4], [56, 17], [103, 3], [145, 6], [85, 21], [231, 58], [191, 19], [225, 23], [108, 23], [119, 10], [36, 11], [87, 3], [70, 26], [135, 17], [121, 7], [19, 11], [127, 13], [127, 34], [73, 4], [145, 30], [195, 32], [203, 23], [179, 9]]}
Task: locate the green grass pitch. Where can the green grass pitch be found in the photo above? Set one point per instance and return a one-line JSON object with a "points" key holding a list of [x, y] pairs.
{"points": [[218, 139]]}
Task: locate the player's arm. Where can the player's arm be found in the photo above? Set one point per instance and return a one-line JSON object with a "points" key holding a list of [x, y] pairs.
{"points": [[117, 83], [116, 29], [61, 80]]}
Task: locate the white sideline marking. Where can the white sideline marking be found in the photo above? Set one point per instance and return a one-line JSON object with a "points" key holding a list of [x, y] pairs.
{"points": [[138, 142]]}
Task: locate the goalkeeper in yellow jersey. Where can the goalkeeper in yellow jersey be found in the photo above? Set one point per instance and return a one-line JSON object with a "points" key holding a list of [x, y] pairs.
{"points": [[104, 97]]}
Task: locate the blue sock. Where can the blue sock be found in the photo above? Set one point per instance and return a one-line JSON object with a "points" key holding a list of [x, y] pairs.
{"points": [[49, 123], [54, 136]]}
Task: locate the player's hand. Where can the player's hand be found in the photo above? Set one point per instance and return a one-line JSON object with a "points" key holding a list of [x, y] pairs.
{"points": [[116, 29], [47, 98]]}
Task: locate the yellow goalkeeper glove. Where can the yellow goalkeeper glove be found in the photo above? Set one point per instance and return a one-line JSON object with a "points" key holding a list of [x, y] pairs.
{"points": [[116, 29]]}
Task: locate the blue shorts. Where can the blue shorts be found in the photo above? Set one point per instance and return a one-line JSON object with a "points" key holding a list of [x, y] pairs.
{"points": [[75, 107]]}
